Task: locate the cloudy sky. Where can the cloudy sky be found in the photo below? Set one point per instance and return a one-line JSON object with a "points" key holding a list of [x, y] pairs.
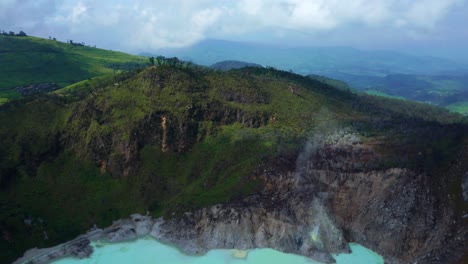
{"points": [[435, 27]]}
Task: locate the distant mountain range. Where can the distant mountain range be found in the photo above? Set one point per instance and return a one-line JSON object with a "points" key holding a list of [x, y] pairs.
{"points": [[328, 61]]}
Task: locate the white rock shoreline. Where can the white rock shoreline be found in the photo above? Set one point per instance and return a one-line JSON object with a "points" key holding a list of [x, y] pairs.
{"points": [[121, 230]]}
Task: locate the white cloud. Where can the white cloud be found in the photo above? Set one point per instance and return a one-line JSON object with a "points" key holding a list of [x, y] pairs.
{"points": [[330, 14], [151, 24], [426, 14], [6, 4], [78, 13]]}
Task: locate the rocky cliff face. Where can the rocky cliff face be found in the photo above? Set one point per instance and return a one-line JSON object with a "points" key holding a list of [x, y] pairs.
{"points": [[313, 205], [394, 212], [403, 215], [160, 128], [284, 219]]}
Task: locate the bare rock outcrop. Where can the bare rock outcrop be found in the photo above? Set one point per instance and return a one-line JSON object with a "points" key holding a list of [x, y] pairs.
{"points": [[293, 225]]}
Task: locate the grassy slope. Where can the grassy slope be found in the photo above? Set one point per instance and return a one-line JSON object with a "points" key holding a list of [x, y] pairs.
{"points": [[412, 77], [332, 82], [28, 60], [382, 94], [459, 107], [439, 90], [52, 147], [447, 90]]}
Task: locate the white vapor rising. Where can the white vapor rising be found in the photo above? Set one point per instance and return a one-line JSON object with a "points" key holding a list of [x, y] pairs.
{"points": [[151, 24]]}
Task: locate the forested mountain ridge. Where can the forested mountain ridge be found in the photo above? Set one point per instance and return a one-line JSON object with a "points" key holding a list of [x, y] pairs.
{"points": [[176, 137], [421, 78], [232, 64]]}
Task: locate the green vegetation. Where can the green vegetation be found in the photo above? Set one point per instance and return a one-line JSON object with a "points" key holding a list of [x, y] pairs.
{"points": [[31, 60], [382, 94], [395, 74], [175, 137], [13, 34], [64, 198], [459, 107], [441, 90], [5, 96], [212, 172], [232, 64], [332, 82]]}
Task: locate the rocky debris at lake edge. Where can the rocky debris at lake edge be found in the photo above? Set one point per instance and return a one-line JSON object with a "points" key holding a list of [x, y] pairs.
{"points": [[79, 248], [121, 230]]}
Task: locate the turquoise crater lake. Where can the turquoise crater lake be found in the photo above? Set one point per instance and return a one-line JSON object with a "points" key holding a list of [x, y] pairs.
{"points": [[150, 251]]}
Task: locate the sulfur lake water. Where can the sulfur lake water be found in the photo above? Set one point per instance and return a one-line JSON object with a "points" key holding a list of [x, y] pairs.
{"points": [[150, 251]]}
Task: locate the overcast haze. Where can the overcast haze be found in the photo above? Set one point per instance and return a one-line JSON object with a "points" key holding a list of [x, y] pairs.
{"points": [[426, 27]]}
